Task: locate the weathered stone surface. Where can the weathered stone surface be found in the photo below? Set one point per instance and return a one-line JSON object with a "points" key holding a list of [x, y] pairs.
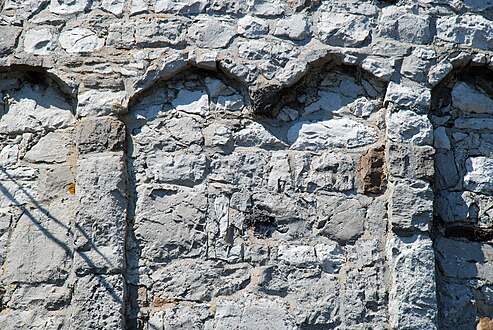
{"points": [[409, 96], [372, 170], [100, 134], [464, 260], [65, 7], [248, 189], [252, 27], [470, 30], [31, 111], [181, 7], [479, 174], [329, 134], [469, 100], [410, 205], [80, 40], [295, 27], [52, 148], [161, 32], [114, 6], [405, 26], [342, 29], [39, 41], [256, 313], [8, 39], [412, 297], [94, 103], [97, 302], [339, 219], [211, 33], [406, 126]]}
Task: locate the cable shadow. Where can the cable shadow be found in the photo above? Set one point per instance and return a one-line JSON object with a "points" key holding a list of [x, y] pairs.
{"points": [[70, 252]]}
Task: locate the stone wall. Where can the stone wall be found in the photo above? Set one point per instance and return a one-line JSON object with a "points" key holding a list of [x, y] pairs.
{"points": [[210, 164]]}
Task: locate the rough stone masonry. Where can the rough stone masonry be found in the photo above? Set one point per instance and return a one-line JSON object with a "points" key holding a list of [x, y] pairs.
{"points": [[246, 164]]}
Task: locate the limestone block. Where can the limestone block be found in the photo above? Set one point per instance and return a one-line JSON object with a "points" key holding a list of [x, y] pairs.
{"points": [[99, 260], [298, 256], [346, 30], [294, 27], [66, 7], [32, 112], [242, 167], [410, 205], [80, 40], [115, 7], [330, 256], [8, 39], [266, 8], [138, 6], [252, 27], [211, 33], [55, 181], [458, 259], [315, 301], [187, 7], [39, 41], [441, 139], [168, 221], [230, 102], [407, 126], [100, 102], [101, 188], [477, 124], [379, 67], [180, 168], [159, 32], [98, 134], [363, 287], [412, 297], [54, 147], [403, 25], [25, 8], [479, 174], [40, 248], [458, 305], [439, 71], [252, 313], [470, 30], [198, 280], [447, 173], [193, 102], [98, 302], [336, 133], [455, 206], [256, 135], [331, 171], [470, 100], [339, 218], [409, 96]]}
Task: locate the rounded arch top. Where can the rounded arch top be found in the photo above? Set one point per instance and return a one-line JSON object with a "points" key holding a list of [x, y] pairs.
{"points": [[34, 100]]}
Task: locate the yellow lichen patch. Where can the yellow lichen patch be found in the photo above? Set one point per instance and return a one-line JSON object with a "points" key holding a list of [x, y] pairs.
{"points": [[71, 188]]}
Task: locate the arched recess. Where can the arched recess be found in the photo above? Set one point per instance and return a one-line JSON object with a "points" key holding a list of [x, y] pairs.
{"points": [[237, 216], [37, 205], [462, 116]]}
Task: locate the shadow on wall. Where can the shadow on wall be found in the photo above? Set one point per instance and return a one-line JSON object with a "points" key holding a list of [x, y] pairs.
{"points": [[38, 225], [462, 116], [218, 192]]}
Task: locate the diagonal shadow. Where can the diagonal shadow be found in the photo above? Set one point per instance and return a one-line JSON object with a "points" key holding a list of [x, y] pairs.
{"points": [[49, 235]]}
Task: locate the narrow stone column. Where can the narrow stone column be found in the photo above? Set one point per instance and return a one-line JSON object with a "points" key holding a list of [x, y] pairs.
{"points": [[410, 257], [100, 228]]}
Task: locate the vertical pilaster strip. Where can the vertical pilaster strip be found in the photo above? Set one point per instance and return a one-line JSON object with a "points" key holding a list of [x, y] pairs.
{"points": [[100, 228], [410, 257]]}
